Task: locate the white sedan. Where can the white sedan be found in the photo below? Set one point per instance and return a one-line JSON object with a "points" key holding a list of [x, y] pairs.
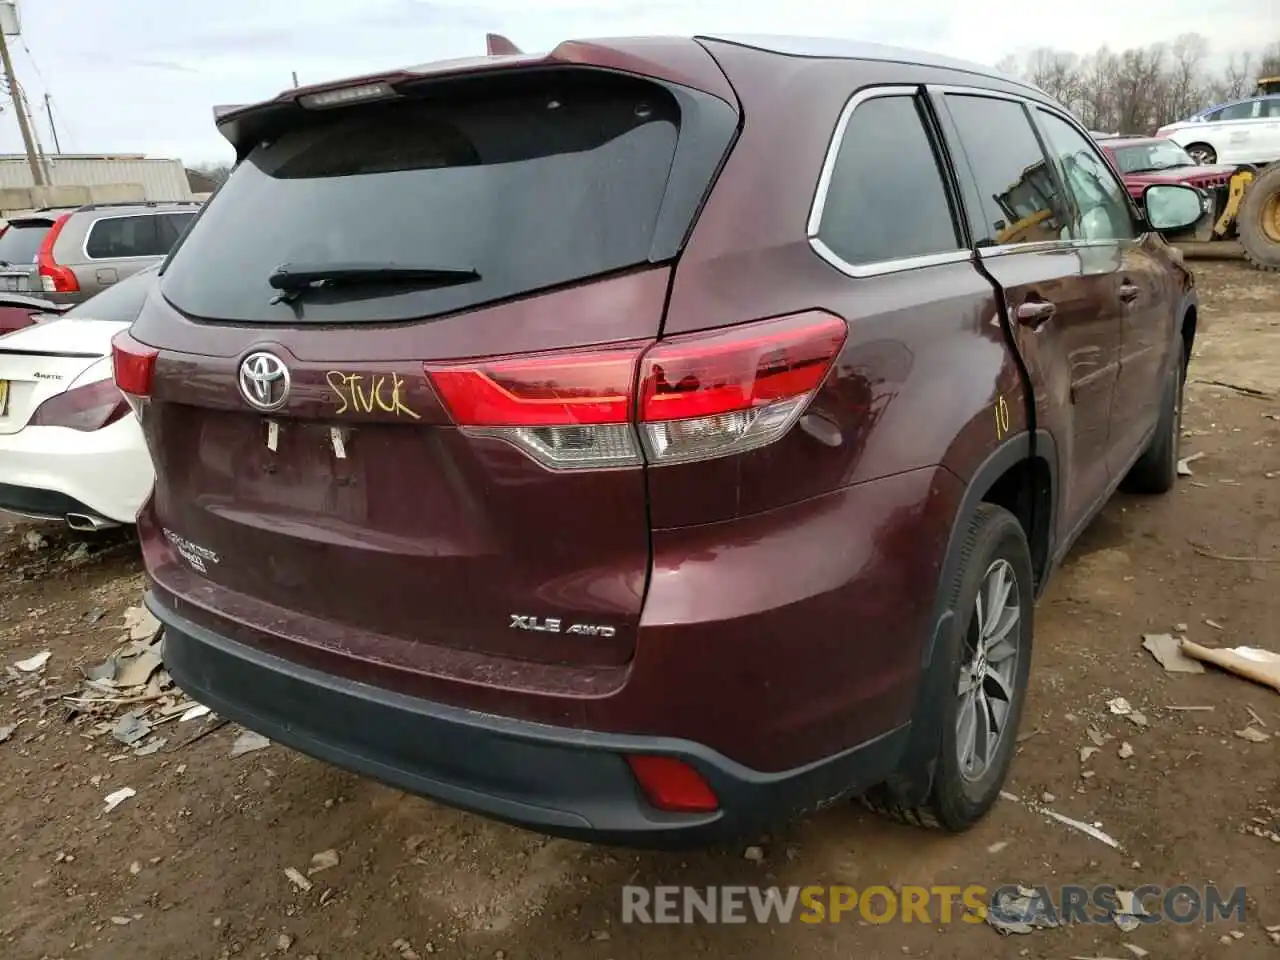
{"points": [[1247, 131], [70, 447]]}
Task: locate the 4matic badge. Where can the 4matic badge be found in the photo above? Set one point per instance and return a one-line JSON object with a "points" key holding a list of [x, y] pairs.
{"points": [[553, 625]]}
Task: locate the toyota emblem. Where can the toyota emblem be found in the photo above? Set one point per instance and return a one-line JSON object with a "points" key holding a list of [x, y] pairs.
{"points": [[264, 380]]}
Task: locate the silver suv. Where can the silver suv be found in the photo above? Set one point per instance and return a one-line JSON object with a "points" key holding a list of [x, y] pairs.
{"points": [[68, 255]]}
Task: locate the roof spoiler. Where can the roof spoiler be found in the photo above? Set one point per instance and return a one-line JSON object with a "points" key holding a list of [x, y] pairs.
{"points": [[220, 110], [496, 45]]}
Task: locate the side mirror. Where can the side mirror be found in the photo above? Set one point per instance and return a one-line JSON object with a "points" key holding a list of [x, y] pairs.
{"points": [[1173, 206]]}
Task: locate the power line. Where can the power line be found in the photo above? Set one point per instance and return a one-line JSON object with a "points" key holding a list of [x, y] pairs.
{"points": [[48, 94]]}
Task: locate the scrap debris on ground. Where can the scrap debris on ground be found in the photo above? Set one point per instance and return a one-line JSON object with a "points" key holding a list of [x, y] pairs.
{"points": [[129, 695]]}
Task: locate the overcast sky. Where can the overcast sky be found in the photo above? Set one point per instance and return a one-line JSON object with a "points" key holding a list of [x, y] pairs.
{"points": [[142, 75]]}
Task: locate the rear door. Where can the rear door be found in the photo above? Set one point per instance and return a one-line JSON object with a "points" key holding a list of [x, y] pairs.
{"points": [[1232, 132], [1106, 231], [1061, 299], [297, 439]]}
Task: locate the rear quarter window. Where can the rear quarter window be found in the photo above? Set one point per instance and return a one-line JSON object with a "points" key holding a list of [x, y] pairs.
{"points": [[119, 238], [885, 199], [531, 188]]}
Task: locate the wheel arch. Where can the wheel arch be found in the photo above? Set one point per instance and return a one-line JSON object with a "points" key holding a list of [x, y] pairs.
{"points": [[1021, 475]]}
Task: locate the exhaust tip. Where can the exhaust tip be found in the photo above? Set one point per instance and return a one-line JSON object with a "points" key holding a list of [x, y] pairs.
{"points": [[87, 523]]}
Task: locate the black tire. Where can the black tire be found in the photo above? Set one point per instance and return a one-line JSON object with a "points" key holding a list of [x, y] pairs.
{"points": [[1156, 471], [1258, 222], [1202, 153], [956, 801]]}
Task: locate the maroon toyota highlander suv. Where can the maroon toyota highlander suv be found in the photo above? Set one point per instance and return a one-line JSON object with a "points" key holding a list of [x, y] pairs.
{"points": [[654, 438]]}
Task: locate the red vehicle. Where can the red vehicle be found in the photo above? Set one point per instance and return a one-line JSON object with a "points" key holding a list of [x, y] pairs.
{"points": [[18, 310], [598, 442], [1143, 161]]}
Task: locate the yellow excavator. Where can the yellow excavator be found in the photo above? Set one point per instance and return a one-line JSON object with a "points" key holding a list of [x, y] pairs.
{"points": [[1249, 213], [1028, 207]]}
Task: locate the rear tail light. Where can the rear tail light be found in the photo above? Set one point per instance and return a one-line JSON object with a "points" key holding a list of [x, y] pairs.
{"points": [[133, 365], [87, 408], [713, 394], [671, 784], [55, 278], [566, 409], [692, 397]]}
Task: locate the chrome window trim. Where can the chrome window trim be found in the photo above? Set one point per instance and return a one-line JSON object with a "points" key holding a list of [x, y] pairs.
{"points": [[84, 247], [819, 204], [880, 267]]}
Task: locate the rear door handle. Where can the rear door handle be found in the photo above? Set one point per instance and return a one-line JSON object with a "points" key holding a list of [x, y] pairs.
{"points": [[1129, 292], [1035, 313]]}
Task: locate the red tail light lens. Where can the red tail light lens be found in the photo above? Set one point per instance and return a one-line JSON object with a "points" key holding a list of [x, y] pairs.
{"points": [[568, 409], [541, 390], [694, 397], [87, 408], [55, 278], [133, 364], [672, 785], [714, 394]]}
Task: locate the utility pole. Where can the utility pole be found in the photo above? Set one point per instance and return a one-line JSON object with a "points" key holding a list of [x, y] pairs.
{"points": [[37, 175], [48, 109]]}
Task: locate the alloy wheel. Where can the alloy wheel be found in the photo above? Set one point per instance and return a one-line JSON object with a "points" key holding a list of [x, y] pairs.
{"points": [[988, 671]]}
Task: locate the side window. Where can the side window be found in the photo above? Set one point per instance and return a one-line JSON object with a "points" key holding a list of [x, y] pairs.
{"points": [[169, 227], [1238, 111], [886, 198], [1018, 189], [1271, 108], [1100, 201], [113, 238]]}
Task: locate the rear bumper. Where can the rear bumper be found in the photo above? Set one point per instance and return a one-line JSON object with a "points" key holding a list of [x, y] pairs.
{"points": [[557, 780], [48, 472]]}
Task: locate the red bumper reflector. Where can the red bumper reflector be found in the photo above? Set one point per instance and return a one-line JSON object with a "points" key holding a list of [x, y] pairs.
{"points": [[673, 785]]}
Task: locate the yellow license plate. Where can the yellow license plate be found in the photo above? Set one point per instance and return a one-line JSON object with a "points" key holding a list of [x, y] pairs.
{"points": [[4, 397]]}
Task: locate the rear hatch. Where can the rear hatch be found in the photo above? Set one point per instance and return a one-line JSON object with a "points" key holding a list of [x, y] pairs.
{"points": [[313, 481], [19, 248]]}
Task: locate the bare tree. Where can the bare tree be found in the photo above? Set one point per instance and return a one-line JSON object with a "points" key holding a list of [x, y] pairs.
{"points": [[1269, 65], [1139, 89], [1238, 77], [1186, 87], [1055, 72]]}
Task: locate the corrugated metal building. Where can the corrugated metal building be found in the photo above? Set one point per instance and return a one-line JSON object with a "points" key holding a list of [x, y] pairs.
{"points": [[159, 179]]}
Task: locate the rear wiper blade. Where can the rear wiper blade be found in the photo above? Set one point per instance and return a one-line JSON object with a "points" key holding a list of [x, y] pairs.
{"points": [[293, 279]]}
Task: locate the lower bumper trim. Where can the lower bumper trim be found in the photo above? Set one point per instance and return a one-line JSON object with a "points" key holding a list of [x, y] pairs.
{"points": [[556, 780]]}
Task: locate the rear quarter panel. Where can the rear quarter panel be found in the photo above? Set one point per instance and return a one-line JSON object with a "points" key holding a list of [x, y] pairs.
{"points": [[926, 375]]}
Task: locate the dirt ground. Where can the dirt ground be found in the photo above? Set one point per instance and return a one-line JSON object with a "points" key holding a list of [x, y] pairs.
{"points": [[193, 865]]}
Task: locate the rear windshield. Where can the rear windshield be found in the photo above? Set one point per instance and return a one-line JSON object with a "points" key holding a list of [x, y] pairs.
{"points": [[20, 243], [556, 182]]}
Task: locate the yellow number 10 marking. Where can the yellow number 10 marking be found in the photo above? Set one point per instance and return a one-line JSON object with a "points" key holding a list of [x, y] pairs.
{"points": [[1002, 417]]}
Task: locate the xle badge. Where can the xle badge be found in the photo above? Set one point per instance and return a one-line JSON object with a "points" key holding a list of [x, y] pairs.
{"points": [[553, 625]]}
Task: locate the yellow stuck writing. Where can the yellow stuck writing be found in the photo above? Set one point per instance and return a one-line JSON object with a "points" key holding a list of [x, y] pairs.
{"points": [[385, 394]]}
